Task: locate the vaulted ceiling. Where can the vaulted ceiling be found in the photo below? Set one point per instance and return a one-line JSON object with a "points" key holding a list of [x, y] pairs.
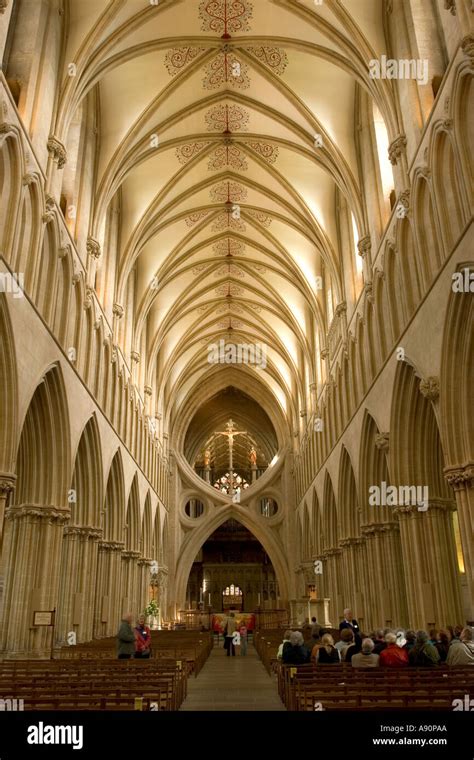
{"points": [[226, 127]]}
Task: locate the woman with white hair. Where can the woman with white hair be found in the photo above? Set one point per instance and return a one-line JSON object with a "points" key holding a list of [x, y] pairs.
{"points": [[366, 657], [393, 656], [294, 653]]}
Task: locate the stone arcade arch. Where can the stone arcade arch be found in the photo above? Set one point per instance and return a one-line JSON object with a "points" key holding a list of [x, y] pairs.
{"points": [[385, 595], [427, 536], [80, 545], [198, 537], [457, 419], [36, 517], [111, 545]]}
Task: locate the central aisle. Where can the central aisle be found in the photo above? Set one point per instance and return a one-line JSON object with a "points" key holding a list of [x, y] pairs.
{"points": [[233, 684]]}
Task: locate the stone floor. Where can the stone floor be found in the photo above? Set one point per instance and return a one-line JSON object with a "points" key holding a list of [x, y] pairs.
{"points": [[232, 684]]}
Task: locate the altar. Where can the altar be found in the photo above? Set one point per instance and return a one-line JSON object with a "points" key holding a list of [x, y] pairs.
{"points": [[219, 620]]}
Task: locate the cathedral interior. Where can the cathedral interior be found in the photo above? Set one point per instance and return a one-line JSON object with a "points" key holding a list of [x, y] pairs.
{"points": [[236, 314]]}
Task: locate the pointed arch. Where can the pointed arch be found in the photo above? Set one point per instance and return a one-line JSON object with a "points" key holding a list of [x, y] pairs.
{"points": [[132, 520], [373, 469], [87, 480], [44, 446], [147, 529], [330, 517], [348, 499], [8, 391], [114, 508]]}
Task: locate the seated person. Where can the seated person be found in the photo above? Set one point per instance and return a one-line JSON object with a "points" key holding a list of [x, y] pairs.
{"points": [[366, 658], [294, 651], [393, 656], [379, 641], [461, 651], [327, 653], [423, 654], [286, 638], [347, 638]]}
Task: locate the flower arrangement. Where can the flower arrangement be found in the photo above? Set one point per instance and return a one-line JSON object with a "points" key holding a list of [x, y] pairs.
{"points": [[152, 609]]}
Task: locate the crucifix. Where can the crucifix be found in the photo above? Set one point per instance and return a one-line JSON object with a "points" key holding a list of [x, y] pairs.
{"points": [[230, 433]]}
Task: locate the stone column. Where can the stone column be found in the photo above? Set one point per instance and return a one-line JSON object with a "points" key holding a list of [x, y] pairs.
{"points": [[461, 479], [332, 583], [385, 595], [130, 587], [428, 548], [77, 585], [352, 574], [7, 485], [32, 555], [163, 594], [107, 608], [144, 578]]}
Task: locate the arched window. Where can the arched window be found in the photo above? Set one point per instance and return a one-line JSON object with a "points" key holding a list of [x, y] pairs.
{"points": [[385, 167], [238, 483]]}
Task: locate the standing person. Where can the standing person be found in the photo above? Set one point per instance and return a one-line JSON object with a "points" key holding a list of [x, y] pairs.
{"points": [[243, 639], [142, 639], [350, 622], [125, 638], [229, 636]]}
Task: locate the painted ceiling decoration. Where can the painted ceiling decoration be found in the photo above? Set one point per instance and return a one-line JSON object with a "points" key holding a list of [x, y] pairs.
{"points": [[229, 247], [228, 192], [227, 118], [229, 155], [185, 153], [225, 17], [177, 59], [226, 70], [196, 217], [236, 91]]}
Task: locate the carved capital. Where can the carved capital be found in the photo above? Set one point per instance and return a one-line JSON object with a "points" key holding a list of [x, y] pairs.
{"points": [[57, 151], [450, 5], [135, 356], [381, 441], [48, 214], [63, 251], [375, 529], [324, 353], [128, 554], [88, 300], [3, 6], [341, 308], [117, 310], [404, 199], [369, 293], [93, 248], [429, 388], [396, 148], [35, 513], [111, 546], [148, 390], [467, 46], [83, 532], [28, 178], [460, 477], [364, 245], [7, 484]]}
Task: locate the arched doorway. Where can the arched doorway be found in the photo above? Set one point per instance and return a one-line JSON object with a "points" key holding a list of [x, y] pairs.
{"points": [[232, 570]]}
